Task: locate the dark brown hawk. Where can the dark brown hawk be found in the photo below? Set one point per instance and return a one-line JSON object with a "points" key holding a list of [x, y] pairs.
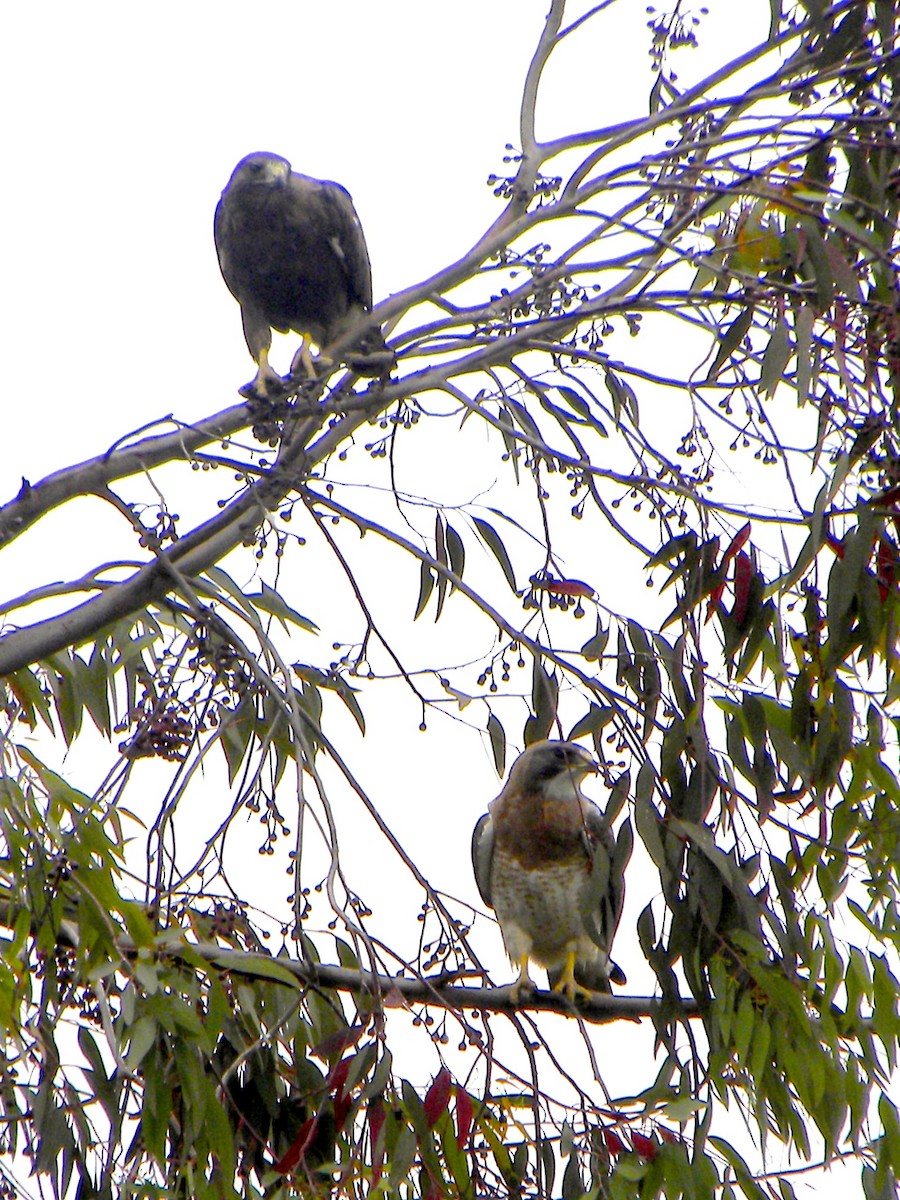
{"points": [[546, 861], [293, 254]]}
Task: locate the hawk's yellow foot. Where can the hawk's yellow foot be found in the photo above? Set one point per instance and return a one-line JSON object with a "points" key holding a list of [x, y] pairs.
{"points": [[303, 358], [524, 981], [567, 983], [267, 385]]}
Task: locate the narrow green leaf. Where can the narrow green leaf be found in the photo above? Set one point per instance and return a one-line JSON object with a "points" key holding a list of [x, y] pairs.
{"points": [[426, 585], [803, 327], [497, 734], [592, 650], [95, 680], [494, 543], [743, 1174], [236, 732], [775, 358], [623, 397], [594, 720], [30, 694], [525, 420], [440, 553], [456, 551], [572, 1185], [260, 966], [544, 691], [141, 1037], [575, 402], [729, 342], [270, 601]]}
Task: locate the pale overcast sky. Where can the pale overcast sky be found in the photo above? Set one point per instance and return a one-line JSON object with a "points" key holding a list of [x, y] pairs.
{"points": [[122, 125]]}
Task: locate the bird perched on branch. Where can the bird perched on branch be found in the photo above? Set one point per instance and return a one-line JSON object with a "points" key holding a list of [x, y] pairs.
{"points": [[546, 861], [292, 252]]}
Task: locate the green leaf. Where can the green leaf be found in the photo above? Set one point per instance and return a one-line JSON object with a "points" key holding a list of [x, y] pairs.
{"points": [[493, 541], [235, 735], [348, 694], [28, 691], [544, 692], [594, 720], [426, 586], [592, 650], [646, 818], [524, 419], [623, 397], [742, 1172], [572, 1185], [260, 966], [402, 1157], [497, 734], [141, 1038], [804, 320], [729, 342], [95, 681], [440, 553], [775, 358], [455, 550], [69, 709], [270, 601], [575, 401]]}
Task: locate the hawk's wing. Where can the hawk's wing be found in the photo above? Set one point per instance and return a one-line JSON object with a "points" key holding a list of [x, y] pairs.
{"points": [[483, 856], [604, 897], [337, 223]]}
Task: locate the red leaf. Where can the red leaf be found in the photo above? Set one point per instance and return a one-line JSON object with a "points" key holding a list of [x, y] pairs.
{"points": [[562, 587], [644, 1146], [708, 572], [438, 1097], [614, 1143], [376, 1116], [465, 1111], [335, 1084], [338, 1075], [885, 566], [668, 1136], [298, 1146], [337, 1043], [743, 573], [736, 543], [341, 1109], [714, 597]]}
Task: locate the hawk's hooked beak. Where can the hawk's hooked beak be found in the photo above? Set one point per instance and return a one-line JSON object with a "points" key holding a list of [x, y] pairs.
{"points": [[280, 175], [587, 764]]}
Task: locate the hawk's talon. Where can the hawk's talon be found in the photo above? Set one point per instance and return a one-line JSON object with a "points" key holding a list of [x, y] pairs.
{"points": [[267, 384], [524, 981], [568, 986], [311, 367], [268, 387], [572, 991]]}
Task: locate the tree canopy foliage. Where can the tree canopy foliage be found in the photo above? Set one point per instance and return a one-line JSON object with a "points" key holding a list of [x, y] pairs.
{"points": [[673, 360]]}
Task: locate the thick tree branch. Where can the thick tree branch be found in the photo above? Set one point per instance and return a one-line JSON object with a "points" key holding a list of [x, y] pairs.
{"points": [[92, 476]]}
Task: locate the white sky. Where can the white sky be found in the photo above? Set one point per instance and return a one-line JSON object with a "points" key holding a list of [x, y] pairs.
{"points": [[122, 125]]}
